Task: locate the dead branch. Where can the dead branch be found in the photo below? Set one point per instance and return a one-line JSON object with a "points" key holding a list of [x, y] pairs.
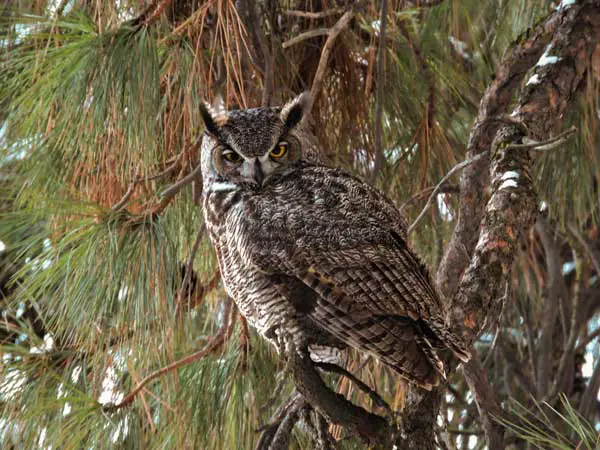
{"points": [[436, 189], [325, 52], [311, 14], [304, 36]]}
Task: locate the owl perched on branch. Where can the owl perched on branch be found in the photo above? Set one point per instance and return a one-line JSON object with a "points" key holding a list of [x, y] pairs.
{"points": [[312, 252]]}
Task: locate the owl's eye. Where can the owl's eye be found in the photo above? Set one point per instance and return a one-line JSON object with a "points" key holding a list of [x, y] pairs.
{"points": [[280, 150], [231, 156]]}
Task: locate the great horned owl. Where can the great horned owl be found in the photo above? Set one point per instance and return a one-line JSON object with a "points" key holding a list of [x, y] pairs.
{"points": [[313, 252]]}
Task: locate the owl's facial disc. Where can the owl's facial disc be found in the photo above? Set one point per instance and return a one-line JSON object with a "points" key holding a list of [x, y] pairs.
{"points": [[249, 148]]}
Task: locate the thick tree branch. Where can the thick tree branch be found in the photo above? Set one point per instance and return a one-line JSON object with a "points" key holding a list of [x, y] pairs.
{"points": [[487, 234], [494, 103]]}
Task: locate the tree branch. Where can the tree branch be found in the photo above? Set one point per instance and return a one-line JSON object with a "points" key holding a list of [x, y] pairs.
{"points": [[372, 428], [215, 342]]}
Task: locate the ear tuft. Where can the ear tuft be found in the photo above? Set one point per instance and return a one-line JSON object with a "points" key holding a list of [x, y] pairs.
{"points": [[208, 116], [295, 110]]}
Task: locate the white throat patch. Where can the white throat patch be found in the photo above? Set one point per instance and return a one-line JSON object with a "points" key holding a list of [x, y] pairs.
{"points": [[222, 186]]}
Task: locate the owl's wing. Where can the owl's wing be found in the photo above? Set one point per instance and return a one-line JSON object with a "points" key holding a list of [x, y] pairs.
{"points": [[341, 238]]}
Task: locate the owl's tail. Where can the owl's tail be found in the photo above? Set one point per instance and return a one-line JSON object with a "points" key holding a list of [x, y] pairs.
{"points": [[412, 355], [449, 340]]}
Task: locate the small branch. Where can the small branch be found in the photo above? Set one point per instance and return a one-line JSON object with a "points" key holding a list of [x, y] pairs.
{"points": [[304, 36], [174, 189], [171, 168], [312, 15], [121, 203], [546, 145], [325, 52], [425, 70], [146, 18], [452, 171], [215, 342], [445, 188], [585, 341]]}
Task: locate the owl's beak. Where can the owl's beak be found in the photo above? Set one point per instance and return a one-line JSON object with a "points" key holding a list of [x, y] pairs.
{"points": [[257, 172]]}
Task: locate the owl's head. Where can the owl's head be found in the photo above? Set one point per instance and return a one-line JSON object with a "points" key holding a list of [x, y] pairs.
{"points": [[251, 147]]}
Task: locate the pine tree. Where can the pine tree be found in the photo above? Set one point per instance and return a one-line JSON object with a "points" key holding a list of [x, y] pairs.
{"points": [[116, 331]]}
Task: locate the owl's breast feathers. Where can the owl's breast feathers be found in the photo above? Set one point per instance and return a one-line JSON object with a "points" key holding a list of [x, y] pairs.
{"points": [[332, 249]]}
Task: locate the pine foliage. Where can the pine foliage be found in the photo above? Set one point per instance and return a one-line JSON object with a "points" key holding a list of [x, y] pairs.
{"points": [[99, 116]]}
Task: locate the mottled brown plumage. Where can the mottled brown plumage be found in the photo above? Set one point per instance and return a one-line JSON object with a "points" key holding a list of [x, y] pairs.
{"points": [[313, 251]]}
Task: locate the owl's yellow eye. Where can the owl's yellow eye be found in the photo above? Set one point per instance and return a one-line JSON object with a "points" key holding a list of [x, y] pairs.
{"points": [[280, 150], [231, 156]]}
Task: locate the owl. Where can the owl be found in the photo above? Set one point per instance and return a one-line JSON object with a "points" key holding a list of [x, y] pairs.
{"points": [[312, 252]]}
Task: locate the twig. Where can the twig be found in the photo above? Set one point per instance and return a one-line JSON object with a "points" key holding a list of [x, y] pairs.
{"points": [[216, 341], [172, 190], [60, 8], [446, 188], [121, 203], [312, 15], [157, 12], [452, 171], [244, 341], [325, 52], [425, 70], [171, 168], [585, 341], [304, 36], [145, 18], [379, 158], [594, 257], [545, 145]]}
